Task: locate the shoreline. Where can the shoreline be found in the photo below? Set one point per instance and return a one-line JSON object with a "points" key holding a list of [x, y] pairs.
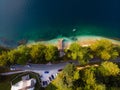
{"points": [[82, 40]]}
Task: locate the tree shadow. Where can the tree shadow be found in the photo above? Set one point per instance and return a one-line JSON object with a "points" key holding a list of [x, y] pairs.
{"points": [[51, 87]]}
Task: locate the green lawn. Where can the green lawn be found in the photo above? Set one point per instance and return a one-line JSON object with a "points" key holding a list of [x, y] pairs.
{"points": [[5, 85], [5, 82]]}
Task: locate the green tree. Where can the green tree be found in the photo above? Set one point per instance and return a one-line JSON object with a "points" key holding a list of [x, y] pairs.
{"points": [[66, 78], [108, 69], [38, 53], [115, 52], [24, 54], [13, 56], [85, 55], [51, 53], [3, 49], [76, 75], [19, 55], [100, 45], [74, 50], [3, 59], [82, 54], [117, 49], [99, 87], [105, 55], [89, 77], [104, 49], [90, 81]]}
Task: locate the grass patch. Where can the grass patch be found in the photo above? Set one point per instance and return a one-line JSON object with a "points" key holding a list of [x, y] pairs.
{"points": [[5, 82], [5, 85]]}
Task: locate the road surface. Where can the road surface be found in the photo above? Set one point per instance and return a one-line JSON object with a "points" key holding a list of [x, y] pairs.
{"points": [[39, 68]]}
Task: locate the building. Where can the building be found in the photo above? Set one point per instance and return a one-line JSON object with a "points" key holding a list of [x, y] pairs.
{"points": [[61, 46], [24, 85]]}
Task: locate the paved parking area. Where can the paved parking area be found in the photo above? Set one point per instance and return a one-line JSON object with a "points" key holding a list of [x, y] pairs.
{"points": [[47, 72]]}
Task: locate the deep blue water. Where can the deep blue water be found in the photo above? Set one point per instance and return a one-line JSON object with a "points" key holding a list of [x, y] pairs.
{"points": [[47, 19]]}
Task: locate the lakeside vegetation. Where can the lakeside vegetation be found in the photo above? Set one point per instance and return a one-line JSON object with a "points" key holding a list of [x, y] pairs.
{"points": [[40, 53], [23, 55], [103, 77]]}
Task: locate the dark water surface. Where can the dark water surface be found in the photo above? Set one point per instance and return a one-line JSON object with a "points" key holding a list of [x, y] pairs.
{"points": [[47, 19]]}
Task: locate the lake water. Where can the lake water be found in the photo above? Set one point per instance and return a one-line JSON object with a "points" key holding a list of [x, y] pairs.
{"points": [[48, 19]]}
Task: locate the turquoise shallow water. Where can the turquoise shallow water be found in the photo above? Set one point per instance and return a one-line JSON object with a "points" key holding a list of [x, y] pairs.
{"points": [[48, 19], [80, 30]]}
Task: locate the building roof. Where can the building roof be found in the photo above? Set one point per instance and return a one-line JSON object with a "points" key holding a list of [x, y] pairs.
{"points": [[24, 85]]}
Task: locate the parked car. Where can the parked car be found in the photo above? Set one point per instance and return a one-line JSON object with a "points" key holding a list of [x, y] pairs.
{"points": [[12, 68], [46, 72], [60, 70], [56, 74], [52, 76], [45, 83], [28, 65]]}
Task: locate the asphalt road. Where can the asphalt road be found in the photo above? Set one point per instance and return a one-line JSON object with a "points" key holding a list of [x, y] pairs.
{"points": [[39, 68], [52, 69]]}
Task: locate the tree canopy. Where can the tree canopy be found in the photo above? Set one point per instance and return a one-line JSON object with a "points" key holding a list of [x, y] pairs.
{"points": [[51, 53], [65, 79], [82, 54], [104, 49], [38, 53], [109, 68]]}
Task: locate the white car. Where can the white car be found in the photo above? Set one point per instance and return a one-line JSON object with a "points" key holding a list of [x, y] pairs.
{"points": [[12, 68], [28, 65]]}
